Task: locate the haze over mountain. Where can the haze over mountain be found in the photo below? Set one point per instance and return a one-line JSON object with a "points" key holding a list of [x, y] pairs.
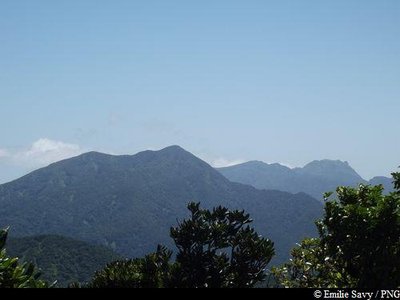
{"points": [[61, 259], [385, 181], [129, 203], [315, 178]]}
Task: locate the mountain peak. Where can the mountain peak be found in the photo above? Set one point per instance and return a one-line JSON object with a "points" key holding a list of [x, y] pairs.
{"points": [[315, 178], [328, 163], [253, 163], [331, 169], [257, 164], [93, 154], [172, 154], [173, 148]]}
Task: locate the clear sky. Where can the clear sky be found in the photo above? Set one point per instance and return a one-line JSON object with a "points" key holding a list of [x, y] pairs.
{"points": [[278, 81]]}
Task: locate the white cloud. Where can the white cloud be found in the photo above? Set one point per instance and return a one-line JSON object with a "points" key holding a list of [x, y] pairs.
{"points": [[222, 162], [41, 153], [3, 153]]}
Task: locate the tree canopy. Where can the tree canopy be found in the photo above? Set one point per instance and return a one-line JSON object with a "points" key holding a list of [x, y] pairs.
{"points": [[359, 244], [14, 274], [216, 249], [152, 271], [219, 249]]}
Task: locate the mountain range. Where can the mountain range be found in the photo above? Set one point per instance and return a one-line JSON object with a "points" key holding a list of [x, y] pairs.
{"points": [[315, 179], [128, 203]]}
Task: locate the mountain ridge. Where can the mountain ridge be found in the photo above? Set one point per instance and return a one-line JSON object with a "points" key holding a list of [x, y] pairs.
{"points": [[315, 178], [129, 202]]}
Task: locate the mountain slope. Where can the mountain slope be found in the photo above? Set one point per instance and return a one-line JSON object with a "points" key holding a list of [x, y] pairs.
{"points": [[129, 202], [385, 181], [315, 178], [61, 259]]}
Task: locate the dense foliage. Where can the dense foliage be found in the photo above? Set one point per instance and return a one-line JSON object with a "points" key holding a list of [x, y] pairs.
{"points": [[216, 249], [359, 243], [152, 271], [309, 267], [14, 274], [61, 259]]}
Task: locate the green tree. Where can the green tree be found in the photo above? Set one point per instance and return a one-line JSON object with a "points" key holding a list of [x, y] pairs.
{"points": [[16, 275], [309, 267], [148, 272], [216, 249], [359, 244]]}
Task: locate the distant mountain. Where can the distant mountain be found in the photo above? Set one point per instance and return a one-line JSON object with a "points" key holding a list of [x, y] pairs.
{"points": [[129, 203], [62, 259], [315, 178], [385, 181]]}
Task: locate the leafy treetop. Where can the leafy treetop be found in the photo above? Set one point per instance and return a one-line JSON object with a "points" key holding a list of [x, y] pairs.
{"points": [[216, 249], [16, 275], [359, 245]]}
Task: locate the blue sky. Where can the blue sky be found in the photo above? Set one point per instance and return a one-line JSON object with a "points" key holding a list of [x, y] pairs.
{"points": [[278, 81]]}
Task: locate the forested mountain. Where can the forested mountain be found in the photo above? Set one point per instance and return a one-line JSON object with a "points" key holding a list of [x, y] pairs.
{"points": [[315, 179], [129, 203], [61, 259]]}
